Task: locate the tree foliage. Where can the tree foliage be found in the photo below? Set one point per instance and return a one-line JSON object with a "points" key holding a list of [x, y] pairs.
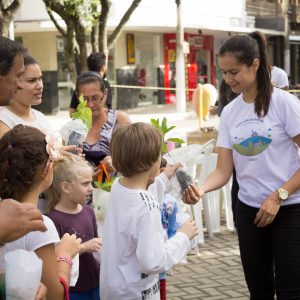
{"points": [[8, 9], [83, 18]]}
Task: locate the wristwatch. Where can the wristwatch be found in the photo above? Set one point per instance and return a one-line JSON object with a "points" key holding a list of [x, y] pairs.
{"points": [[283, 194]]}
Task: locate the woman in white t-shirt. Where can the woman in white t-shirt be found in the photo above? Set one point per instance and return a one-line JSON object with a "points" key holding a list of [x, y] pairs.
{"points": [[259, 134], [20, 110]]}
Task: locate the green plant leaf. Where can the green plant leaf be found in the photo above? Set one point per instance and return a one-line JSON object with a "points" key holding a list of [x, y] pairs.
{"points": [[164, 126], [164, 147], [176, 140], [155, 123], [98, 184], [170, 128], [84, 113], [105, 186]]}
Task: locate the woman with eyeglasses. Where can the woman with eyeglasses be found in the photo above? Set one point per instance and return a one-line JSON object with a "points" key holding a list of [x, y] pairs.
{"points": [[104, 120]]}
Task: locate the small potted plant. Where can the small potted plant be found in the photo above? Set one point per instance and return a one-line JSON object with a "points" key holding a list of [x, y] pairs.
{"points": [[164, 129]]}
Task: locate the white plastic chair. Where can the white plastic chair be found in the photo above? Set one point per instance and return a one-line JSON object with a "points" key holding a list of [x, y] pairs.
{"points": [[226, 201], [212, 200], [209, 201], [197, 158], [188, 155]]}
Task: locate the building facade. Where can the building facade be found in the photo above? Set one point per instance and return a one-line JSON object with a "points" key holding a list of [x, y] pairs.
{"points": [[144, 55]]}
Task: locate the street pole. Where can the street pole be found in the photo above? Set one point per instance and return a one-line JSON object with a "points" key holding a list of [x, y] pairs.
{"points": [[180, 69], [287, 59]]}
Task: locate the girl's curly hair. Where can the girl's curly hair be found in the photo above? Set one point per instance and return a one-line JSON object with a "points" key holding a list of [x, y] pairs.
{"points": [[22, 155]]}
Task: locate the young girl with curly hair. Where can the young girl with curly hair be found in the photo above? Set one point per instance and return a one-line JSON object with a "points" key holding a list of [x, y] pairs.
{"points": [[26, 160]]}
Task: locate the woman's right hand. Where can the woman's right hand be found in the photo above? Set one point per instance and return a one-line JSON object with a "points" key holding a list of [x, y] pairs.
{"points": [[192, 194], [189, 228], [69, 246]]}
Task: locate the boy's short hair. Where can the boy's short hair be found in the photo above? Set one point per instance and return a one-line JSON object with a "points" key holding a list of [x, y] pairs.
{"points": [[135, 148], [96, 61], [163, 163]]}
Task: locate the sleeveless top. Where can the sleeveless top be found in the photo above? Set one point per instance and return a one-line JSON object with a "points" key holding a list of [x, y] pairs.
{"points": [[11, 120], [96, 152]]}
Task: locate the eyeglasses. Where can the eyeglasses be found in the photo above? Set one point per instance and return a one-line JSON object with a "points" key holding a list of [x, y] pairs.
{"points": [[94, 98]]}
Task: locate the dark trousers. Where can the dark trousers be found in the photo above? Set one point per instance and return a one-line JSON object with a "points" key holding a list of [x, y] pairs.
{"points": [[234, 195], [271, 255]]}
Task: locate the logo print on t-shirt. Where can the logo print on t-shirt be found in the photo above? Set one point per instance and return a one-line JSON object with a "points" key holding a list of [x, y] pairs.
{"points": [[253, 145]]}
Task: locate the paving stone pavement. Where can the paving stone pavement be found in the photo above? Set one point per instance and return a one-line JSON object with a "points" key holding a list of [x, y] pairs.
{"points": [[216, 274]]}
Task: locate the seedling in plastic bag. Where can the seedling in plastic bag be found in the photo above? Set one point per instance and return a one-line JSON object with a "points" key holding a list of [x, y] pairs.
{"points": [[83, 112], [184, 179]]}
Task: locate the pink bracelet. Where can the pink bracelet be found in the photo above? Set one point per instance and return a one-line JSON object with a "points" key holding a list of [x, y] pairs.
{"points": [[65, 259]]}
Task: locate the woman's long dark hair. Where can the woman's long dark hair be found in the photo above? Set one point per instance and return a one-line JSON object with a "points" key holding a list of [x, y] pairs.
{"points": [[245, 48], [226, 95]]}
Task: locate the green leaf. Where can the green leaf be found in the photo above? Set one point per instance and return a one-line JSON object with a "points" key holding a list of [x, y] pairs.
{"points": [[154, 123], [164, 126], [176, 140], [98, 184], [170, 128], [164, 148], [105, 186], [84, 113]]}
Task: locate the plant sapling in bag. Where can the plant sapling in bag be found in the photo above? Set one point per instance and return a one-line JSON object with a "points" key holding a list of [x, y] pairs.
{"points": [[184, 179], [75, 131]]}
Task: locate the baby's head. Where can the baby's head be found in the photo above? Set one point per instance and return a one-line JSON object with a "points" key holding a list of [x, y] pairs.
{"points": [[72, 179], [24, 162], [136, 148]]}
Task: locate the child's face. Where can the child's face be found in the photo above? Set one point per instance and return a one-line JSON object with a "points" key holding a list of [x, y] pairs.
{"points": [[81, 187]]}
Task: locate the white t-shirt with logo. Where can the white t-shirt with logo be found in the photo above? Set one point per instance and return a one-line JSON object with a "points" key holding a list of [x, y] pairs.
{"points": [[264, 154], [134, 248], [279, 78]]}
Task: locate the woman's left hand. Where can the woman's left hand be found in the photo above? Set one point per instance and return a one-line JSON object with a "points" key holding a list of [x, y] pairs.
{"points": [[268, 211], [71, 149], [108, 164]]}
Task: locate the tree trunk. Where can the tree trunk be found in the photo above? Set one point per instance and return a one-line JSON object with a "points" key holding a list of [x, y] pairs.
{"points": [[69, 53], [68, 36], [102, 34], [116, 33], [80, 38], [2, 25], [7, 15], [94, 38]]}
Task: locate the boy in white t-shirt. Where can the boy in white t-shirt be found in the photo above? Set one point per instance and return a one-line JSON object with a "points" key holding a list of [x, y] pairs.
{"points": [[134, 248]]}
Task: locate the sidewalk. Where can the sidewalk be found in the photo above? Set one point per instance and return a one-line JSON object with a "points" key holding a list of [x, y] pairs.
{"points": [[216, 274], [184, 122]]}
